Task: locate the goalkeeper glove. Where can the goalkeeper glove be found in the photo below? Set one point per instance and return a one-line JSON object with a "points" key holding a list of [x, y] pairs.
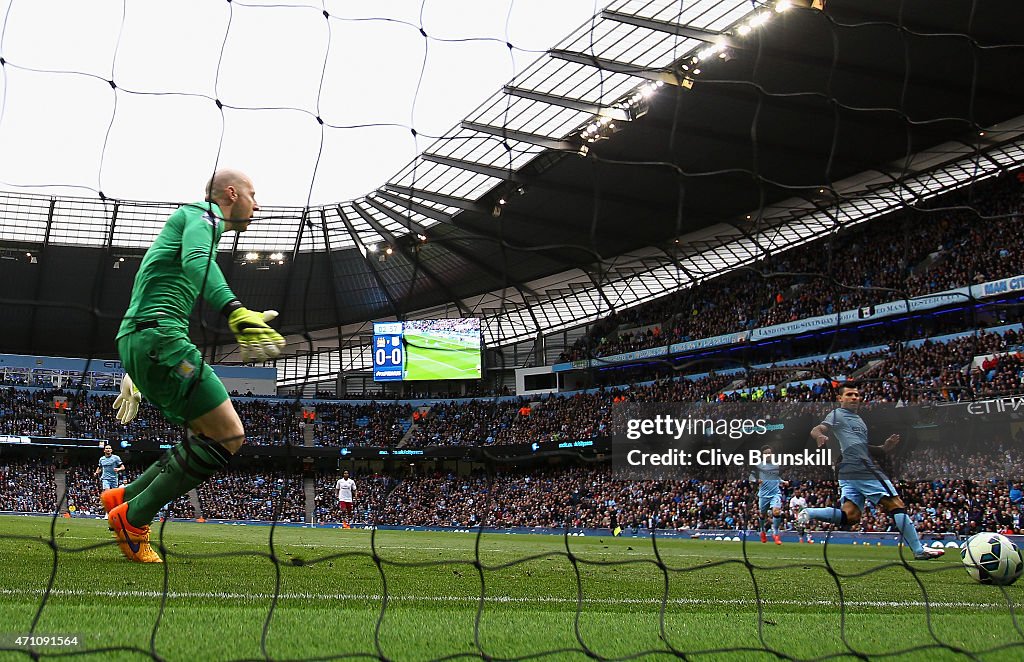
{"points": [[256, 340], [127, 404]]}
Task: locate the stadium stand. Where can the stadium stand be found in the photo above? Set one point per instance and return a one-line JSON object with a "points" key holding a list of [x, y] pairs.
{"points": [[572, 496], [252, 495], [371, 424], [933, 370], [26, 412], [27, 486], [913, 255], [567, 497]]}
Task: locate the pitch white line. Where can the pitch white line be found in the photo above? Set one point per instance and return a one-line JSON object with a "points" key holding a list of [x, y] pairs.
{"points": [[76, 592], [500, 599]]}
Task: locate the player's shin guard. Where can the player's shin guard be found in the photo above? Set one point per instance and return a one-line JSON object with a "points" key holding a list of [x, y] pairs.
{"points": [[834, 515], [907, 529], [185, 466], [776, 523]]}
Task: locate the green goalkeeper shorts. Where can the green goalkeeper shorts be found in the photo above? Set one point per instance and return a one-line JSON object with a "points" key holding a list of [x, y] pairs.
{"points": [[171, 373]]}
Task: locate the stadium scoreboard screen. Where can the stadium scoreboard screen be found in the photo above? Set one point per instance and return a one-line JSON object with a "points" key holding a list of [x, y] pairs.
{"points": [[419, 350]]}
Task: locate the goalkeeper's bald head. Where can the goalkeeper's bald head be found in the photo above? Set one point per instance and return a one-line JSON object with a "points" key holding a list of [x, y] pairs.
{"points": [[233, 192]]}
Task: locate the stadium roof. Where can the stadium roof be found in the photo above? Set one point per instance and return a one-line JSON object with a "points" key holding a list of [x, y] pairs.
{"points": [[660, 144]]}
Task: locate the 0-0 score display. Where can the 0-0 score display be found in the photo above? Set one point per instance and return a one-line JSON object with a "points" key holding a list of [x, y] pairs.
{"points": [[384, 358], [388, 353], [420, 350]]}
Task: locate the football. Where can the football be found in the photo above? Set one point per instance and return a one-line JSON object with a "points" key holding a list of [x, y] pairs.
{"points": [[992, 558]]}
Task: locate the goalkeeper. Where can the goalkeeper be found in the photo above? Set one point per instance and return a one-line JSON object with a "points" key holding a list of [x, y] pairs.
{"points": [[169, 370]]}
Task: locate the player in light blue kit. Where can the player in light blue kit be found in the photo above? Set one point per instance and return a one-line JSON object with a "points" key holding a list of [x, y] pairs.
{"points": [[769, 495], [110, 465], [860, 478]]}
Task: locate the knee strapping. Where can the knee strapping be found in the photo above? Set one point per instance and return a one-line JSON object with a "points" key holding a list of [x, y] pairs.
{"points": [[200, 456]]}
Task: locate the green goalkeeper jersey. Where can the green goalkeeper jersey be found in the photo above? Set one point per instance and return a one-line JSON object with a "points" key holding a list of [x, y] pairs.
{"points": [[180, 264]]}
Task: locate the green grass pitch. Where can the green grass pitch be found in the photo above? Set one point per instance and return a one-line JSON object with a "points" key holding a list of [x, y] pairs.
{"points": [[429, 357], [542, 594]]}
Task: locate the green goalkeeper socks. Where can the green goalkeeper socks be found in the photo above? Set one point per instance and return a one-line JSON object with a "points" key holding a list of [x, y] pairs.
{"points": [[183, 467], [136, 487]]}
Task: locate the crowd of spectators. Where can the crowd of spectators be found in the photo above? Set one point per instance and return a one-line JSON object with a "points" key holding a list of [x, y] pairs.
{"points": [[489, 422], [89, 417], [944, 371], [589, 497], [24, 412], [1005, 376], [930, 371], [370, 424], [27, 486], [237, 494], [960, 491], [830, 368], [270, 422], [921, 252], [551, 419]]}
